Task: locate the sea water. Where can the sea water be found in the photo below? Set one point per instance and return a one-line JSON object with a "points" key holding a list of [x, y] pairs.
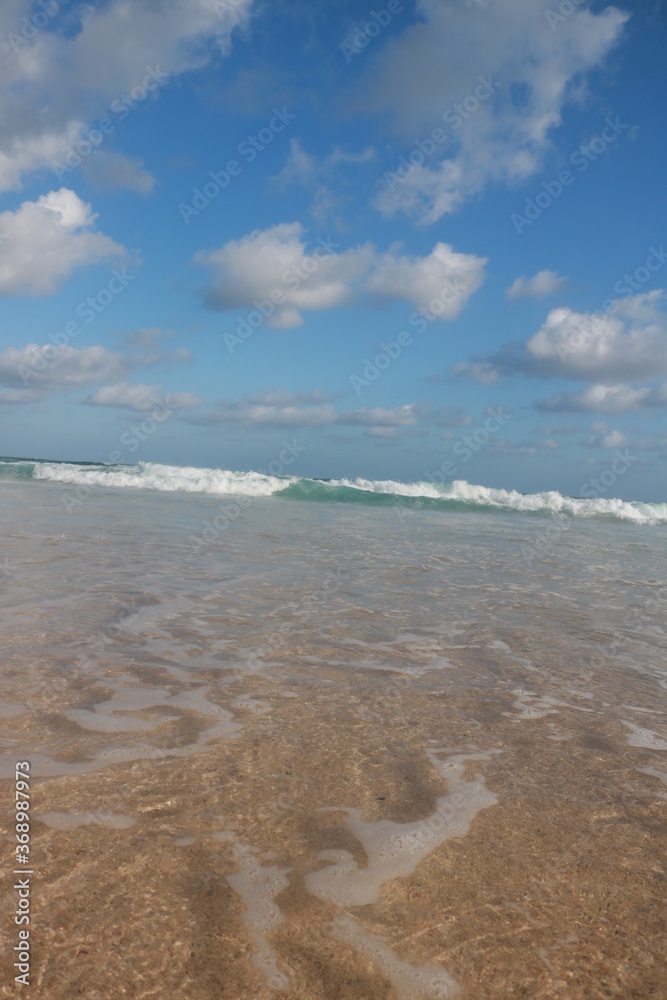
{"points": [[356, 677]]}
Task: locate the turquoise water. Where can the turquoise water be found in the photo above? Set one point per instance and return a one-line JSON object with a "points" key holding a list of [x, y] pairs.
{"points": [[85, 477], [97, 576], [197, 657]]}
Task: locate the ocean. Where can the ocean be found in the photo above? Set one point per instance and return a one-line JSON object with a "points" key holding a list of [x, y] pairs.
{"points": [[335, 738]]}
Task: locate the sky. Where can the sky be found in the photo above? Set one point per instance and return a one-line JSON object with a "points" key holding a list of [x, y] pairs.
{"points": [[412, 241]]}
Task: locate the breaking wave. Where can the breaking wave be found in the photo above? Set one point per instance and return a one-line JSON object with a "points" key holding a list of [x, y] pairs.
{"points": [[458, 495]]}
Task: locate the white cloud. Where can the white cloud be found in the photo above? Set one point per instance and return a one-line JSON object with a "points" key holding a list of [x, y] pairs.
{"points": [[272, 267], [18, 396], [46, 368], [611, 350], [283, 409], [275, 261], [606, 399], [436, 64], [30, 374], [483, 371], [381, 416], [543, 283], [140, 398], [246, 412], [43, 241], [56, 83], [603, 437], [301, 167], [319, 174], [627, 343], [114, 171], [272, 408], [421, 280], [21, 153], [304, 168]]}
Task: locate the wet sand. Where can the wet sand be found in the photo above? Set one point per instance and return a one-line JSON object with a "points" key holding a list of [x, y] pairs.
{"points": [[555, 890]]}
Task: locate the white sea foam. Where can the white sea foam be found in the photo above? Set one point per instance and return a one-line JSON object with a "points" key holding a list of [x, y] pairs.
{"points": [[167, 478], [256, 706], [223, 835], [549, 502], [225, 482], [10, 710], [394, 850], [646, 738], [521, 661], [72, 820], [258, 885], [185, 841], [104, 716], [534, 706], [656, 773], [421, 982]]}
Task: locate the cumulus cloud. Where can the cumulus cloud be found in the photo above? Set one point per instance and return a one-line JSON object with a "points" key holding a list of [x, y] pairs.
{"points": [[274, 261], [421, 280], [604, 437], [612, 350], [69, 74], [43, 241], [626, 343], [543, 283], [49, 367], [273, 268], [114, 171], [140, 398], [435, 64], [30, 374]]}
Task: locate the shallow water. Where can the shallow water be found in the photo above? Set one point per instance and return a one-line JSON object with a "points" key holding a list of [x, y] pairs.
{"points": [[335, 749]]}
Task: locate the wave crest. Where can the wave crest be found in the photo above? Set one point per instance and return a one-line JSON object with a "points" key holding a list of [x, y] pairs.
{"points": [[166, 478], [458, 495]]}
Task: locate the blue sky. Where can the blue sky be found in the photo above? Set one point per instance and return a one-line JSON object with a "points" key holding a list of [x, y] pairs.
{"points": [[422, 240]]}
